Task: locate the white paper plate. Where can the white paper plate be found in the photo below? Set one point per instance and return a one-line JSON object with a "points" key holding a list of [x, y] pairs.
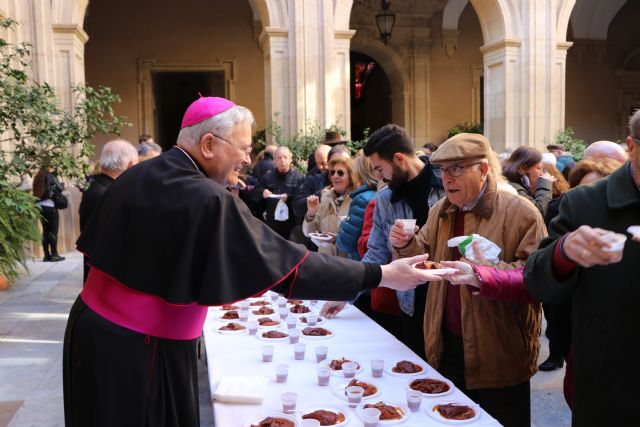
{"points": [[339, 389], [320, 237], [316, 338], [327, 362], [401, 375], [328, 407], [406, 412], [451, 387], [437, 271], [256, 421], [260, 337], [241, 331], [436, 415]]}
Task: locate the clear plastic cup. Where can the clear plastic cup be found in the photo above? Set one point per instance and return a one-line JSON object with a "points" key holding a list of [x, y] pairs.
{"points": [[321, 353], [299, 350], [312, 319], [282, 302], [377, 366], [349, 369], [243, 315], [274, 297], [267, 353], [292, 322], [324, 375], [253, 327], [409, 225], [616, 242], [414, 400], [283, 312], [310, 423], [282, 372], [354, 395], [314, 302], [370, 417], [243, 305], [289, 402], [294, 336]]}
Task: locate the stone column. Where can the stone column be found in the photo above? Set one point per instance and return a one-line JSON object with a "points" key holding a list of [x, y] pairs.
{"points": [[420, 72], [524, 70], [307, 68]]}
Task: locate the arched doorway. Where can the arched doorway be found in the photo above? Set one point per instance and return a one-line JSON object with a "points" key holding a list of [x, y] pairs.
{"points": [[370, 95]]}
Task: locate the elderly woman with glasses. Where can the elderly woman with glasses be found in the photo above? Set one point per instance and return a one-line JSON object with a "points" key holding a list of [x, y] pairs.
{"points": [[324, 214]]}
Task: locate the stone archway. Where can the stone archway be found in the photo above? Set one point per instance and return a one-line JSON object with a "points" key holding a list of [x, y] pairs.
{"points": [[524, 55], [391, 63]]}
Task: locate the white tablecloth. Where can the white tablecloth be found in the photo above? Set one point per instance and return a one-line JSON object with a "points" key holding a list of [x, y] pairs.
{"points": [[356, 337]]}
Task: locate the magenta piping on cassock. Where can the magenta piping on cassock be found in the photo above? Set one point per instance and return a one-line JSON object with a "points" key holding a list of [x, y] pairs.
{"points": [[140, 312]]}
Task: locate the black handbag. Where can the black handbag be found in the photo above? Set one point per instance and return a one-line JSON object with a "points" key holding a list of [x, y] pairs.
{"points": [[60, 201]]}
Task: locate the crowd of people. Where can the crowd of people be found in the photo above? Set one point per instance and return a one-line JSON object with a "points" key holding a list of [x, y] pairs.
{"points": [[553, 219]]}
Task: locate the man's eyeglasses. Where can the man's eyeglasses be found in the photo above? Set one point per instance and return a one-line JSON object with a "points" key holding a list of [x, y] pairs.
{"points": [[247, 151], [453, 171], [340, 172]]}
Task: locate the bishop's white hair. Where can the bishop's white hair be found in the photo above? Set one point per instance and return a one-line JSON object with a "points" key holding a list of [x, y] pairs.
{"points": [[117, 154], [220, 124]]}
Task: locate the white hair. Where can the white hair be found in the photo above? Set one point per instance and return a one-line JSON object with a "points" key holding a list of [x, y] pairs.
{"points": [[220, 124], [117, 154], [283, 148]]}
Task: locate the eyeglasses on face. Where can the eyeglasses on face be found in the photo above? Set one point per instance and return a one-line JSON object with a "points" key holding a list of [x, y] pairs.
{"points": [[340, 172], [247, 151], [453, 171], [636, 139]]}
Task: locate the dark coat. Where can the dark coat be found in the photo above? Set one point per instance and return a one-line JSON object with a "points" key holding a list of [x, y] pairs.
{"points": [[92, 196], [278, 183], [263, 166], [540, 198], [312, 185], [605, 302], [89, 204]]}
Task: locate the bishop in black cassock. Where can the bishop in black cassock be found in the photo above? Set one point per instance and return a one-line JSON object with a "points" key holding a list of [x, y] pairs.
{"points": [[167, 242]]}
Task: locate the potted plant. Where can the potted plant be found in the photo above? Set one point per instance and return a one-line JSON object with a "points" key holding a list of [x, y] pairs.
{"points": [[36, 132]]}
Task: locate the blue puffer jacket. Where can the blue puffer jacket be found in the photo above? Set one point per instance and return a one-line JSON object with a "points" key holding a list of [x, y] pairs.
{"points": [[351, 228]]}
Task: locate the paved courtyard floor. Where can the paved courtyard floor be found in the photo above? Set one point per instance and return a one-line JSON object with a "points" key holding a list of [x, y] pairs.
{"points": [[33, 316]]}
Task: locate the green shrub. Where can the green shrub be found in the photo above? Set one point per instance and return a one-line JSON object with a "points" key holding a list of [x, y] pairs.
{"points": [[465, 128]]}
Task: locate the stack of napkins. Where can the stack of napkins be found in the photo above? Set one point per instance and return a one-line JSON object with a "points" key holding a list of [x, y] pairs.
{"points": [[241, 389]]}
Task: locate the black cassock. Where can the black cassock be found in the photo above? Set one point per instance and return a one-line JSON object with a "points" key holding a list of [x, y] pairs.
{"points": [[166, 231]]}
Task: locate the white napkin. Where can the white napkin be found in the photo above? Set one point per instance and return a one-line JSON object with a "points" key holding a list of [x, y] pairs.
{"points": [[241, 389]]}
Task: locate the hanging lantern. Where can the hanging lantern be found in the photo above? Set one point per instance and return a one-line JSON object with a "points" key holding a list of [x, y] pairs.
{"points": [[385, 19]]}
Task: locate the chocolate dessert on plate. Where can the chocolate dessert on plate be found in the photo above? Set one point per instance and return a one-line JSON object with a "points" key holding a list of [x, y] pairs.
{"points": [[429, 386], [316, 332], [406, 367], [326, 418], [454, 411], [387, 412]]}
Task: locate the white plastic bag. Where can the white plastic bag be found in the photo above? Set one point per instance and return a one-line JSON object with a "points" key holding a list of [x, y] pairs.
{"points": [[282, 211], [489, 250]]}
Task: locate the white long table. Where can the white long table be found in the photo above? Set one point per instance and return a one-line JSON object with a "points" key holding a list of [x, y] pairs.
{"points": [[357, 337]]}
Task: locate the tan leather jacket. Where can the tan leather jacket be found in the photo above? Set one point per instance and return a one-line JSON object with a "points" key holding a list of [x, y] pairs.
{"points": [[501, 339], [327, 220]]}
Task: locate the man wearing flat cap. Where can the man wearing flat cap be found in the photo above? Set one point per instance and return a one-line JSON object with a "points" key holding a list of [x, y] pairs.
{"points": [[167, 242], [487, 346]]}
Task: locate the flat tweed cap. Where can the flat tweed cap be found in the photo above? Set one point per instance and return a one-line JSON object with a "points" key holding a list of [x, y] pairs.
{"points": [[462, 146]]}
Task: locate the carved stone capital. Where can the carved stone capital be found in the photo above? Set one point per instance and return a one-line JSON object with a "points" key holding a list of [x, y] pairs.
{"points": [[450, 40]]}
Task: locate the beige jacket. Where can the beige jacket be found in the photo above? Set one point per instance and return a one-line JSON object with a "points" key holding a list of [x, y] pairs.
{"points": [[501, 339], [327, 220]]}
